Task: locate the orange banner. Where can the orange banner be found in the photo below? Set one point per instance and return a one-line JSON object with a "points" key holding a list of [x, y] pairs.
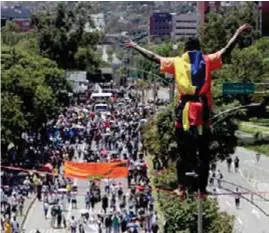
{"points": [[116, 169]]}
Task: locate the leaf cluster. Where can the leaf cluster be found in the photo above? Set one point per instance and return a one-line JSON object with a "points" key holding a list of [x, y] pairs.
{"points": [[31, 92]]}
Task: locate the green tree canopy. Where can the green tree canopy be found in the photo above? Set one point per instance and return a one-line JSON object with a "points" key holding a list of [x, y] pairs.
{"points": [[220, 27], [67, 36], [31, 92]]}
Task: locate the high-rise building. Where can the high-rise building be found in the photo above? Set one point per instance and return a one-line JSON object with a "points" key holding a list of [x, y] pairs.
{"points": [[184, 25], [264, 18], [160, 26], [204, 7]]}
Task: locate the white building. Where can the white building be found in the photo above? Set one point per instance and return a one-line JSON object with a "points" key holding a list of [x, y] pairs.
{"points": [[185, 25], [78, 80], [98, 21]]}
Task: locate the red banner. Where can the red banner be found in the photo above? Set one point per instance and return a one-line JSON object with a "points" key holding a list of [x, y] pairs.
{"points": [[96, 170]]}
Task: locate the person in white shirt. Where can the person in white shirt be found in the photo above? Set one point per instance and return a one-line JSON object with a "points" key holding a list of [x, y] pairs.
{"points": [[73, 225], [27, 184], [15, 225]]}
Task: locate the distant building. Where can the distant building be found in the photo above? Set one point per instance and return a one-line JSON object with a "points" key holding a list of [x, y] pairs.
{"points": [[264, 18], [184, 25], [98, 21], [206, 6], [78, 80], [18, 15], [160, 26], [103, 75], [24, 25]]}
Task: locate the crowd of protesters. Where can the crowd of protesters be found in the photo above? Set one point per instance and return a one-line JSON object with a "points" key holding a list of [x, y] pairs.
{"points": [[82, 134]]}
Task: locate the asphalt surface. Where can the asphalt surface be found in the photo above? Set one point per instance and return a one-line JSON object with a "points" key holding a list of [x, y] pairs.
{"points": [[251, 216], [36, 219]]}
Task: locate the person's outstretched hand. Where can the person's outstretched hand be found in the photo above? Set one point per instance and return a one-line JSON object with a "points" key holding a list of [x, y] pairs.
{"points": [[129, 44], [244, 28]]}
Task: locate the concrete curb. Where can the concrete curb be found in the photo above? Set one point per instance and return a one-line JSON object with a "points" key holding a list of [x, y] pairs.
{"points": [[27, 212]]}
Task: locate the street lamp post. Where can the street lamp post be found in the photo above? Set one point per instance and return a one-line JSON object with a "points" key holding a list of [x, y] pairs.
{"points": [[173, 85], [199, 203]]}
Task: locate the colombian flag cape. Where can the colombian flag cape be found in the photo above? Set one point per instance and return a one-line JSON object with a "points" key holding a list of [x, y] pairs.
{"points": [[117, 169]]}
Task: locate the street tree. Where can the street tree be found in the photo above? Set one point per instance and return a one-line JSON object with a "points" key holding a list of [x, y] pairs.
{"points": [[31, 91], [67, 35]]}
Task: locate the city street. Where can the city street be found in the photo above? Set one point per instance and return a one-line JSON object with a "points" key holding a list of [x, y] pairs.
{"points": [[36, 220], [248, 218], [109, 114], [44, 225]]}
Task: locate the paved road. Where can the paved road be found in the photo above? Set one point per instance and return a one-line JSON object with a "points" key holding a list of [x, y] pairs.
{"points": [[36, 220], [248, 218]]}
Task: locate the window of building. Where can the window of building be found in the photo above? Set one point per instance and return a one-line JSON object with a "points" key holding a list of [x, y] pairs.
{"points": [[185, 34], [186, 21], [185, 27]]}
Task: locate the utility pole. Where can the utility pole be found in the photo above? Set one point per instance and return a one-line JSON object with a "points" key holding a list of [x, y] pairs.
{"points": [[199, 202], [173, 85], [200, 213]]}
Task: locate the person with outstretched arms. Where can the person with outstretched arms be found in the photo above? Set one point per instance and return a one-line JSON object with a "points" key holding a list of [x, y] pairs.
{"points": [[192, 72]]}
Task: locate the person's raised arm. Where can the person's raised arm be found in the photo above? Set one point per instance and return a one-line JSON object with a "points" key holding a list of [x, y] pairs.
{"points": [[232, 42], [146, 53]]}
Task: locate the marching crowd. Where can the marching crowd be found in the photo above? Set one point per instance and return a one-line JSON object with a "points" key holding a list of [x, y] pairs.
{"points": [[82, 134]]}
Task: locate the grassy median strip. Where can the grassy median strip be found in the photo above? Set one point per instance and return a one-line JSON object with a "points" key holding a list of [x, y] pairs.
{"points": [[253, 129], [263, 149]]}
